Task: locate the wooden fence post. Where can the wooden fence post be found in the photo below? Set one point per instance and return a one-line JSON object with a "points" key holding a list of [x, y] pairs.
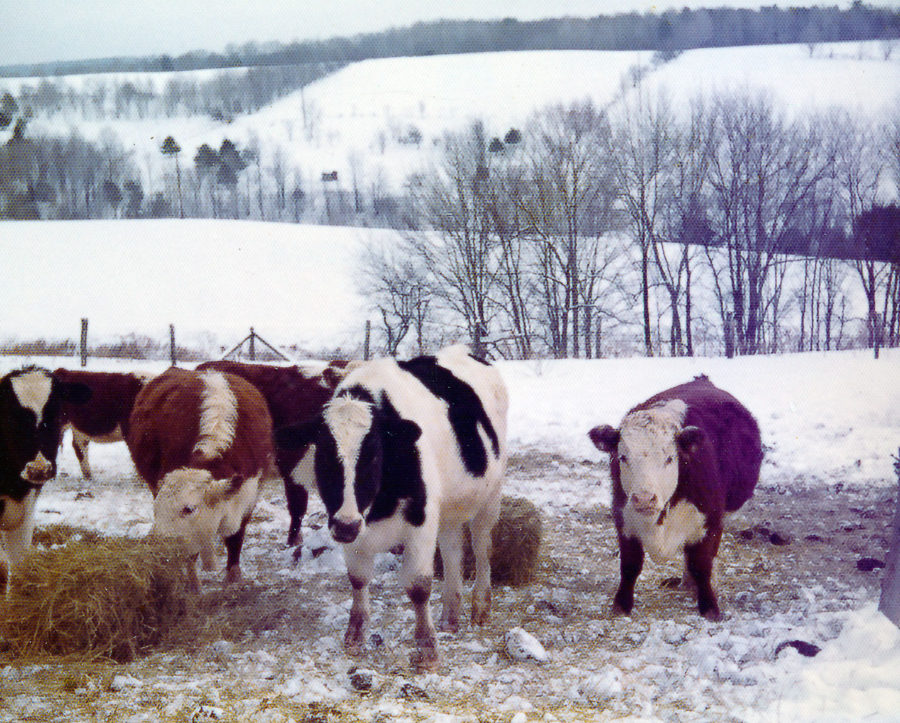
{"points": [[84, 351], [368, 339], [252, 344], [172, 351]]}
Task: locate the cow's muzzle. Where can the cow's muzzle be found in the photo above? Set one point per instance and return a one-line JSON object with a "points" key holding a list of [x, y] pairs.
{"points": [[345, 532], [645, 503], [38, 470]]}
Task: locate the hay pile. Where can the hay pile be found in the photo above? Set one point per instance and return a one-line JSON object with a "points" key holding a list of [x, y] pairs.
{"points": [[516, 541], [100, 598]]}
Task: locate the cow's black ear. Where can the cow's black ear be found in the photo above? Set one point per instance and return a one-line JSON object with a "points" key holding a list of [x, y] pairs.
{"points": [[74, 392], [689, 439], [298, 436], [403, 430], [605, 438]]}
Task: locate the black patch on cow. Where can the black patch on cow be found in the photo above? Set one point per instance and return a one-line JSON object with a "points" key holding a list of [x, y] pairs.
{"points": [[401, 468], [329, 471], [464, 409], [359, 393]]}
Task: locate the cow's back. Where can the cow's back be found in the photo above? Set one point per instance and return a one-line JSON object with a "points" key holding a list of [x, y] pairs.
{"points": [[112, 399], [413, 391], [164, 424], [732, 433]]}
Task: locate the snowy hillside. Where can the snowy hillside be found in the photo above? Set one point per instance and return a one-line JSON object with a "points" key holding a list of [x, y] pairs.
{"points": [[355, 121]]}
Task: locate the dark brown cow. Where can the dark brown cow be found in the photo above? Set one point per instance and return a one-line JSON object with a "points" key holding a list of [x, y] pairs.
{"points": [[202, 441], [105, 417], [679, 462], [294, 396]]}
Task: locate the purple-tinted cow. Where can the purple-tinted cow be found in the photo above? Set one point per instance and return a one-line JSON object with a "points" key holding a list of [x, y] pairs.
{"points": [[679, 462]]}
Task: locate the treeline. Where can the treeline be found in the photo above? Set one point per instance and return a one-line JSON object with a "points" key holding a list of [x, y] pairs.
{"points": [[589, 231], [222, 97], [667, 32]]}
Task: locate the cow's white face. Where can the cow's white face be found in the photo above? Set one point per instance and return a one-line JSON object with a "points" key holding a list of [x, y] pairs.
{"points": [[648, 456], [33, 389], [196, 508], [348, 469]]}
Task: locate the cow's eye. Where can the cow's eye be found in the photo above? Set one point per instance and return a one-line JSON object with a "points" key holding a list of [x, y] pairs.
{"points": [[669, 459], [623, 459], [187, 510]]}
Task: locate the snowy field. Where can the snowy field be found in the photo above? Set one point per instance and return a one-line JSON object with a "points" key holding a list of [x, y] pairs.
{"points": [[830, 426]]}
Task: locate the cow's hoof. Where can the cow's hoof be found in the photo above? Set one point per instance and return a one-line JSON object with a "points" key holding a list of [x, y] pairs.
{"points": [[425, 660], [298, 553], [353, 649], [713, 615], [233, 575], [671, 583], [480, 615], [450, 625], [619, 611]]}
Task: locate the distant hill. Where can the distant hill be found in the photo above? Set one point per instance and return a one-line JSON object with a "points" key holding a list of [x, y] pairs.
{"points": [[670, 31]]}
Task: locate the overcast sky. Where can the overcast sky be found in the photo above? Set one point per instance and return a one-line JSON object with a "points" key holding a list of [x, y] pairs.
{"points": [[33, 31]]}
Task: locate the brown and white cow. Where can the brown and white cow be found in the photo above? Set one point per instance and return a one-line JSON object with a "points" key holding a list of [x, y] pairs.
{"points": [[407, 452], [679, 462], [295, 395], [30, 433], [105, 418], [202, 441]]}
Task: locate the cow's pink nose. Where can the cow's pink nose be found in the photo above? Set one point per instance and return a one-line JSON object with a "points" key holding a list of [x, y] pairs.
{"points": [[643, 501]]}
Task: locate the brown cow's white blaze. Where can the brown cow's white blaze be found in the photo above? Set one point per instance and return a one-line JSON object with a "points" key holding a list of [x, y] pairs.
{"points": [[218, 416]]}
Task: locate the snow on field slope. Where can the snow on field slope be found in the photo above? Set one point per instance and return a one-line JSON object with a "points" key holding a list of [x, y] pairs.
{"points": [[351, 121]]}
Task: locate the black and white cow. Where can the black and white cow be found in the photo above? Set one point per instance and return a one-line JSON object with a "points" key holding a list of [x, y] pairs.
{"points": [[407, 452], [30, 433]]}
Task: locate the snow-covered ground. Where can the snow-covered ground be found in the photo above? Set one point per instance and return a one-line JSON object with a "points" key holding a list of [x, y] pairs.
{"points": [[830, 426]]}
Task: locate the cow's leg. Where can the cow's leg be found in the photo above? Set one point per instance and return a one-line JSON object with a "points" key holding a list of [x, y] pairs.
{"points": [[297, 501], [416, 575], [4, 565], [18, 539], [233, 545], [699, 560], [80, 444], [631, 553], [360, 566], [451, 544], [481, 527]]}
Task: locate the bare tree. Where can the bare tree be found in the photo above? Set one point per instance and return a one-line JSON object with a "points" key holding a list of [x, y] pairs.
{"points": [[462, 253], [399, 287], [763, 172], [641, 152], [568, 209]]}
